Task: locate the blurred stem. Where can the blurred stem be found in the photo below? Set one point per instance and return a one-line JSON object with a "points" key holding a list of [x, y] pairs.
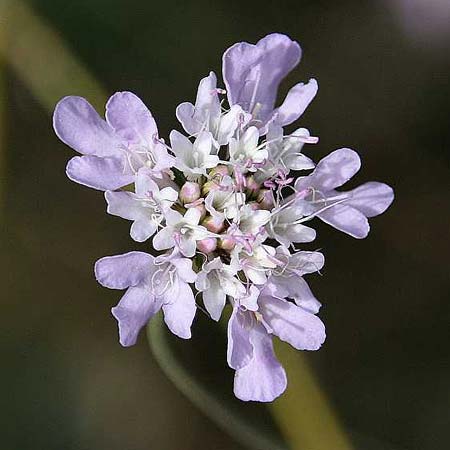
{"points": [[197, 394], [303, 412]]}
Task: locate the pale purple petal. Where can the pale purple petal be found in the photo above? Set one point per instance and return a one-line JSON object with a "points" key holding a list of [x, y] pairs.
{"points": [[168, 195], [240, 68], [184, 269], [129, 116], [164, 239], [252, 73], [192, 216], [185, 114], [250, 299], [187, 247], [294, 233], [255, 275], [278, 286], [128, 206], [179, 309], [307, 262], [134, 310], [298, 162], [142, 229], [296, 288], [263, 379], [122, 271], [173, 217], [181, 145], [296, 102], [292, 324], [371, 198], [79, 126], [144, 183], [346, 219], [98, 173], [239, 349], [214, 298], [162, 158], [229, 122], [207, 105], [125, 205], [304, 297], [332, 171], [336, 169], [203, 143]]}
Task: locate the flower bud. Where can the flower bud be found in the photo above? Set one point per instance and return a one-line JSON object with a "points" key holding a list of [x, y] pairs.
{"points": [[265, 199], [189, 192], [227, 244], [252, 186], [207, 245], [220, 169], [209, 186], [213, 224]]}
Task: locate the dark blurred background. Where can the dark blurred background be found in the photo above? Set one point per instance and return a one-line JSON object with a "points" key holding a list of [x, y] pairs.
{"points": [[383, 71]]}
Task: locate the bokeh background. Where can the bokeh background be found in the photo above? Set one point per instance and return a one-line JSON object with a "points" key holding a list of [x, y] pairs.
{"points": [[383, 70]]}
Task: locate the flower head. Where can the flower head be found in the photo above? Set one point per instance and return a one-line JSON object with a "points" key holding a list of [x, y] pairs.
{"points": [[222, 207]]}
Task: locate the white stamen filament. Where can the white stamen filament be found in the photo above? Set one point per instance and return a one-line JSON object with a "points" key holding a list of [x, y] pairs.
{"points": [[321, 210], [159, 276]]}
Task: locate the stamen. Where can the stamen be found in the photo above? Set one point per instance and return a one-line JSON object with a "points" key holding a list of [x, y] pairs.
{"points": [[269, 184], [157, 279], [311, 216], [251, 107], [177, 239], [241, 181], [195, 203]]}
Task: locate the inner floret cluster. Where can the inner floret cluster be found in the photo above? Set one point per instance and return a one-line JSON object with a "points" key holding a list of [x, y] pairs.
{"points": [[225, 205]]}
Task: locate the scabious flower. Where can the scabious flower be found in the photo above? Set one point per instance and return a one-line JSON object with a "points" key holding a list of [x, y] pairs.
{"points": [[152, 284], [146, 206], [252, 74], [113, 149], [223, 209], [346, 211]]}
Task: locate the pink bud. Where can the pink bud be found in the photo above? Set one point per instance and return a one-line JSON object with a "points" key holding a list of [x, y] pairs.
{"points": [[227, 244], [189, 192], [252, 186], [213, 224], [220, 169], [207, 245], [210, 186]]}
